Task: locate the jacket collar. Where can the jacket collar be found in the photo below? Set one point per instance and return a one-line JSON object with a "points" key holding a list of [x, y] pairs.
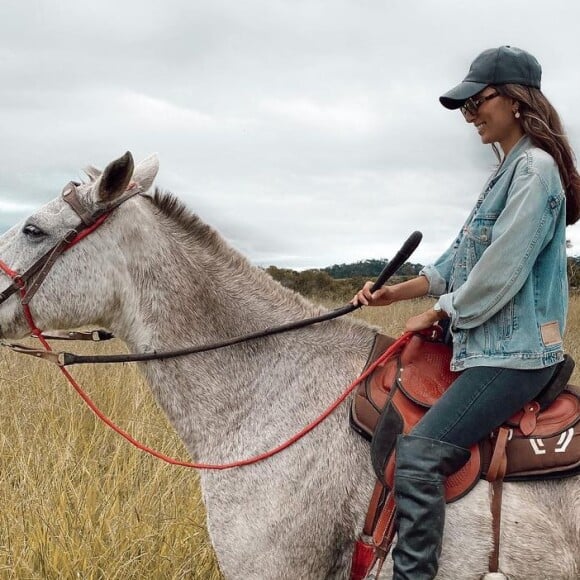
{"points": [[522, 145]]}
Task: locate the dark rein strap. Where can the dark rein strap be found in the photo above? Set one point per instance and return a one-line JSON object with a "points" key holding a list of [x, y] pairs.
{"points": [[68, 358], [30, 281]]}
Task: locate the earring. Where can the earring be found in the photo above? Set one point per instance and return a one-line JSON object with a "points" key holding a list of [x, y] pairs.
{"points": [[517, 115]]}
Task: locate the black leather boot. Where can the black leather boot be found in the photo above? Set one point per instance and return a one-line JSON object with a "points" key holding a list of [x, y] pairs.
{"points": [[422, 467]]}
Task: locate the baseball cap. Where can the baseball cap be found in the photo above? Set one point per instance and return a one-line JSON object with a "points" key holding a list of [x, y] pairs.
{"points": [[495, 66]]}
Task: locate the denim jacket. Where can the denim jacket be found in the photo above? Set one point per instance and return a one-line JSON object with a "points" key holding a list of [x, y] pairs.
{"points": [[503, 281]]}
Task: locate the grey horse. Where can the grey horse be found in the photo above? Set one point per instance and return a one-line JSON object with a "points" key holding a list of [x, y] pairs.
{"points": [[160, 278]]}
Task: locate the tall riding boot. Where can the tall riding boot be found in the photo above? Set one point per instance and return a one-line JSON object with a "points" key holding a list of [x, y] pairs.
{"points": [[422, 467]]}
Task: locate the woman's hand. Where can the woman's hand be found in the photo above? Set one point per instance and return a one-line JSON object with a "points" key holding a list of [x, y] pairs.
{"points": [[382, 297], [388, 294], [424, 320]]}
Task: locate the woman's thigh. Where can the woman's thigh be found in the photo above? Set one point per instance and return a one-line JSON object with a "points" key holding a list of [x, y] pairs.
{"points": [[478, 401]]}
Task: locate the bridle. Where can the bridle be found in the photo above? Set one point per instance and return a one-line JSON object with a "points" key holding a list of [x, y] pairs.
{"points": [[28, 283]]}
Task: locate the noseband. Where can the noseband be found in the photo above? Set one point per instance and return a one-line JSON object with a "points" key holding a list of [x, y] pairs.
{"points": [[29, 282]]}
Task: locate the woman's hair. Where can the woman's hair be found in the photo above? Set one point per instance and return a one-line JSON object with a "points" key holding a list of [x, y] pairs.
{"points": [[541, 122]]}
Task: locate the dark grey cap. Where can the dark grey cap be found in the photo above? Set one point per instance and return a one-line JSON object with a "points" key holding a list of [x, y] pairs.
{"points": [[496, 66]]}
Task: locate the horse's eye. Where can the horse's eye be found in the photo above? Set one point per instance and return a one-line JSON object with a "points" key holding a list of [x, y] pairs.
{"points": [[32, 232]]}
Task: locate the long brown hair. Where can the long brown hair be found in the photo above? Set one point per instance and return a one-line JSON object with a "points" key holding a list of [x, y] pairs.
{"points": [[542, 123]]}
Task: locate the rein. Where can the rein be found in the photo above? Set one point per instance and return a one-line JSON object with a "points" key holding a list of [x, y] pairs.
{"points": [[394, 348], [63, 359], [27, 284]]}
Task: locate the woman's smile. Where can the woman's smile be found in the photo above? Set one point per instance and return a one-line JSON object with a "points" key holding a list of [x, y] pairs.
{"points": [[494, 119]]}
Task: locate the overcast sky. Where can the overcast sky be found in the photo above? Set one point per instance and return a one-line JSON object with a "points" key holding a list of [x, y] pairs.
{"points": [[308, 132]]}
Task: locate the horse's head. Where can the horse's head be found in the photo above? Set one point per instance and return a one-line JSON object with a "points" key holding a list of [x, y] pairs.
{"points": [[81, 286]]}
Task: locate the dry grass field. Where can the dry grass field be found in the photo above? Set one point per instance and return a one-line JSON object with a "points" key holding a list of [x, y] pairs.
{"points": [[77, 501]]}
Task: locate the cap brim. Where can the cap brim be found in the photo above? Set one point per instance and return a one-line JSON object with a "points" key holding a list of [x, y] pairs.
{"points": [[454, 98]]}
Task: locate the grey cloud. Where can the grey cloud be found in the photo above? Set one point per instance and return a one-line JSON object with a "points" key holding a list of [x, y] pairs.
{"points": [[306, 132]]}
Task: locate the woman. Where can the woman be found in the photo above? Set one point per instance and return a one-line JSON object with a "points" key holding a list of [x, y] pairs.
{"points": [[501, 288]]}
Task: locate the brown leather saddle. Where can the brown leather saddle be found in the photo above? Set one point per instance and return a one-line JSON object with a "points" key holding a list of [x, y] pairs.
{"points": [[541, 441]]}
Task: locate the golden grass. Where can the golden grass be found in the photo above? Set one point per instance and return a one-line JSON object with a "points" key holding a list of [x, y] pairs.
{"points": [[77, 501]]}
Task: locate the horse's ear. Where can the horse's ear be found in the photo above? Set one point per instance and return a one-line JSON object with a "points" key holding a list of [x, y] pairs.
{"points": [[115, 179], [146, 172]]}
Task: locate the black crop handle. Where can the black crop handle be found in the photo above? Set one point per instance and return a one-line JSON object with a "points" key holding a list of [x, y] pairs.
{"points": [[67, 358], [400, 258]]}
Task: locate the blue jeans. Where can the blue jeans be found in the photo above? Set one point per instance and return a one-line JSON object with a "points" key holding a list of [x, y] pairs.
{"points": [[479, 401]]}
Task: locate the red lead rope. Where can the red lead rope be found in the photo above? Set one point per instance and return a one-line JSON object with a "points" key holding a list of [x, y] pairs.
{"points": [[398, 344], [250, 460]]}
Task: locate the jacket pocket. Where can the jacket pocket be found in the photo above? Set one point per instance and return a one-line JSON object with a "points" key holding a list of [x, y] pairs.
{"points": [[506, 321], [479, 235]]}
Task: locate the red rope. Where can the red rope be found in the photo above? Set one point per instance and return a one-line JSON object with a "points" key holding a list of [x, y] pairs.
{"points": [[250, 460], [8, 271], [398, 344]]}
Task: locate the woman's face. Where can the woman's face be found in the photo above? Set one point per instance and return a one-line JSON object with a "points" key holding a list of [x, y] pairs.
{"points": [[494, 119]]}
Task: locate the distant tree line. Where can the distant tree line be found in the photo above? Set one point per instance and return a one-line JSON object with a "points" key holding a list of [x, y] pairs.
{"points": [[337, 282], [341, 281], [369, 269], [574, 271]]}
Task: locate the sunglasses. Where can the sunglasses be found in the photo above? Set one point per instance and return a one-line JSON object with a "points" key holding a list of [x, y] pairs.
{"points": [[471, 105]]}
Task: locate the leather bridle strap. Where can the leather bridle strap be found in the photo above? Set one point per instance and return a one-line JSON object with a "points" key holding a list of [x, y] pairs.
{"points": [[32, 278], [69, 195], [64, 358], [99, 335]]}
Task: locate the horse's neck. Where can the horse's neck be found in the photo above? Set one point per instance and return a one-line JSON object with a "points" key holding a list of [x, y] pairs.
{"points": [[182, 296], [182, 293]]}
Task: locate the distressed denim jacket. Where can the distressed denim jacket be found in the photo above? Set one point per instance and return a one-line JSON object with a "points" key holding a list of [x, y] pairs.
{"points": [[503, 281]]}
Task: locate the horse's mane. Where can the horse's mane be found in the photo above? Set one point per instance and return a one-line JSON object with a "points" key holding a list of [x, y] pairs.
{"points": [[177, 212], [194, 228]]}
